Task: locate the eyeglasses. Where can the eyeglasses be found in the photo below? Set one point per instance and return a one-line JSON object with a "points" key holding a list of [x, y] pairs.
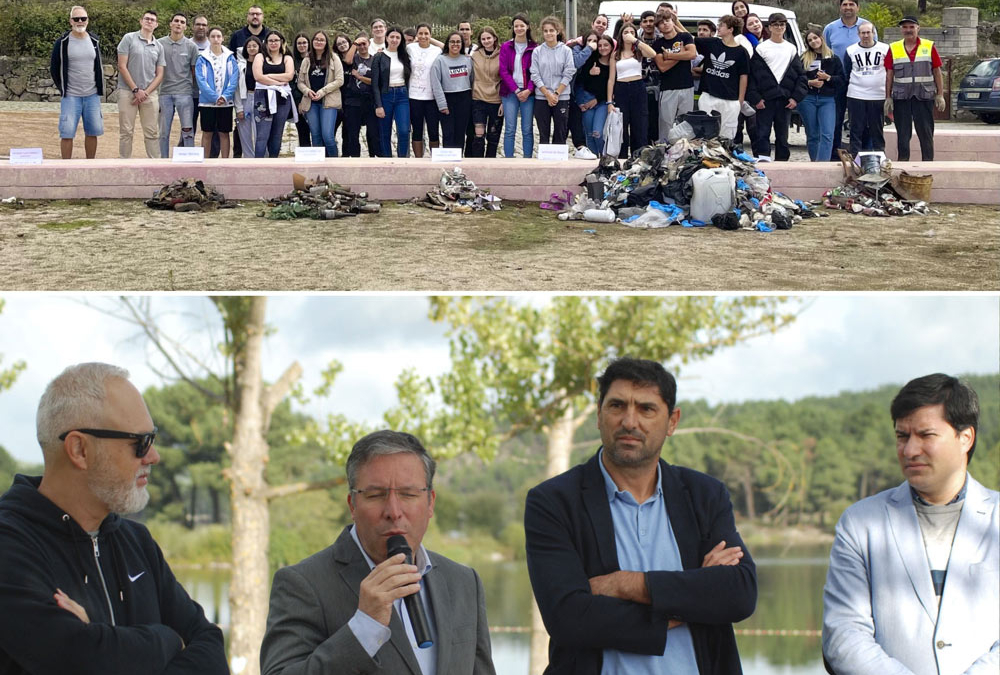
{"points": [[149, 18], [379, 495], [79, 19], [143, 442]]}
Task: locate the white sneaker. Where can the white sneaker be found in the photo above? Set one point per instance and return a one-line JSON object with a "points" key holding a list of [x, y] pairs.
{"points": [[764, 158], [583, 152]]}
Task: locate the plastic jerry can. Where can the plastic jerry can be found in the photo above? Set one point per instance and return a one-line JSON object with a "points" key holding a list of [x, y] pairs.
{"points": [[714, 192]]}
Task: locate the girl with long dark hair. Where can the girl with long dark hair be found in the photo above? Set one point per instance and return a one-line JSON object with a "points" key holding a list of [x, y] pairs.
{"points": [[626, 89], [300, 49], [390, 73], [273, 69], [321, 76], [517, 91]]}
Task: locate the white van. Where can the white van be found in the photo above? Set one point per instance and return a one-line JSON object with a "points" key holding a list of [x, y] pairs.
{"points": [[690, 13]]}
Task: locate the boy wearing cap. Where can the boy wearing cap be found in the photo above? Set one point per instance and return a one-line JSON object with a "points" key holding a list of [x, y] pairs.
{"points": [[912, 86]]}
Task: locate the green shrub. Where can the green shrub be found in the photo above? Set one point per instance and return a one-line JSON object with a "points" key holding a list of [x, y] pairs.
{"points": [[203, 545], [882, 16]]}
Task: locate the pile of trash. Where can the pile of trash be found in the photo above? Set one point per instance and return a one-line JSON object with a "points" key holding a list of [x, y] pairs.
{"points": [[691, 182], [189, 194], [873, 190], [319, 199], [455, 193]]}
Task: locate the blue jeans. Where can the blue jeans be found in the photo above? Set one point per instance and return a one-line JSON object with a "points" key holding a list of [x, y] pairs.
{"points": [[184, 105], [593, 127], [819, 115], [396, 104], [72, 108], [323, 127], [512, 108], [270, 127]]}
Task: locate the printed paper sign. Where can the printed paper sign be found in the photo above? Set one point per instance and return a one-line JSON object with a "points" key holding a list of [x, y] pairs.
{"points": [[189, 155], [553, 152], [446, 154], [310, 154], [25, 155]]}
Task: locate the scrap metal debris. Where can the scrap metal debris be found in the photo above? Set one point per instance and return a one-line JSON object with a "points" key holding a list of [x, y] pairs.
{"points": [[455, 193], [656, 189], [873, 191], [319, 199], [189, 194]]}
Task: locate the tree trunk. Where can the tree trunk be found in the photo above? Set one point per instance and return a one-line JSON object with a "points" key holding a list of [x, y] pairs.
{"points": [[559, 449], [250, 519], [748, 492], [216, 505]]}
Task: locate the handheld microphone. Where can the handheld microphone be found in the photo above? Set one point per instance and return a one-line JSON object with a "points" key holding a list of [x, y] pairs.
{"points": [[414, 607]]}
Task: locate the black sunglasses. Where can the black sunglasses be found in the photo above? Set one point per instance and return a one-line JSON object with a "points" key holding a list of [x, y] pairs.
{"points": [[143, 442], [80, 19]]}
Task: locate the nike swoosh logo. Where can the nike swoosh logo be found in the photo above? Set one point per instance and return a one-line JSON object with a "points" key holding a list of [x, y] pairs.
{"points": [[133, 578]]}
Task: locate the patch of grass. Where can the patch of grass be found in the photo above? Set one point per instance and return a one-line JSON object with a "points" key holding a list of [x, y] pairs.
{"points": [[66, 225], [518, 226]]}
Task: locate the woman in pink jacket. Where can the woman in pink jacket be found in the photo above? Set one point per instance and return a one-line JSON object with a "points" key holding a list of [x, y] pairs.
{"points": [[517, 92]]}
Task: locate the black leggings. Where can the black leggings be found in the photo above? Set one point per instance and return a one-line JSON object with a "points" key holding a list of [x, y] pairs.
{"points": [[354, 117], [424, 110], [554, 119], [630, 98], [487, 114], [454, 124]]}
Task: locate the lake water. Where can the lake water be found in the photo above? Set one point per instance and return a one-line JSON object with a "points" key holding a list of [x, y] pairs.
{"points": [[790, 597]]}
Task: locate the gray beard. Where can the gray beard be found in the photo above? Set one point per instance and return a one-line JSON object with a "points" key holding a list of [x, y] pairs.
{"points": [[122, 499]]}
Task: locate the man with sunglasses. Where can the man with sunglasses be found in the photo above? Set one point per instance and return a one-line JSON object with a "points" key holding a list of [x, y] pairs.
{"points": [[79, 582], [79, 75], [342, 610]]}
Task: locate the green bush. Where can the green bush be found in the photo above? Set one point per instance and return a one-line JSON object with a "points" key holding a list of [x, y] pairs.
{"points": [[31, 29], [882, 16], [202, 545]]}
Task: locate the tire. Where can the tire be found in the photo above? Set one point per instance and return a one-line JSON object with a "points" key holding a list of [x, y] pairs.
{"points": [[990, 118]]}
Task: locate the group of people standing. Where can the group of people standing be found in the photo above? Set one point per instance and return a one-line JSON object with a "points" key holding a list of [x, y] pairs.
{"points": [[462, 92], [636, 565]]}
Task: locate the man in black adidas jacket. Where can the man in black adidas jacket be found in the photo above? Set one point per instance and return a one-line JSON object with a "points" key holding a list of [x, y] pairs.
{"points": [[777, 85], [83, 590]]}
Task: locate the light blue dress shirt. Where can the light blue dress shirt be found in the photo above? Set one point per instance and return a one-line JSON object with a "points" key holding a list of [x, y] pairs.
{"points": [[839, 37], [372, 634], [646, 542]]}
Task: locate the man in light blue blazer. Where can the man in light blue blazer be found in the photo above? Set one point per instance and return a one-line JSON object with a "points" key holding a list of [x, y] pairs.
{"points": [[341, 610], [914, 579]]}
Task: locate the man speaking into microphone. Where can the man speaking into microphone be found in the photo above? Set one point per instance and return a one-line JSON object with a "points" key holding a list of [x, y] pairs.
{"points": [[360, 606]]}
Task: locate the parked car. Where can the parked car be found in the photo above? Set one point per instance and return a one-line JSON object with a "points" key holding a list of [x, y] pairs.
{"points": [[979, 92]]}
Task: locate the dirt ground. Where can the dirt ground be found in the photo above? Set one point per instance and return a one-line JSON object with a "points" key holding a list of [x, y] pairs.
{"points": [[124, 246]]}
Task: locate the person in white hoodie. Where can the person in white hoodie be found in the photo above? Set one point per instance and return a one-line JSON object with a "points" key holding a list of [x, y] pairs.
{"points": [[217, 74]]}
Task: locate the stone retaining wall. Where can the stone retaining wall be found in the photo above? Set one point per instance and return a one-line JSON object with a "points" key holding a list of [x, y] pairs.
{"points": [[27, 78]]}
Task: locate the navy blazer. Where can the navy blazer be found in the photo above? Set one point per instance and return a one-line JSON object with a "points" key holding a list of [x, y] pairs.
{"points": [[570, 538]]}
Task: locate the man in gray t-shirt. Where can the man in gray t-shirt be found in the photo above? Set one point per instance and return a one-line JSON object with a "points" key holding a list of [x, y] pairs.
{"points": [[176, 92], [77, 73], [140, 71]]}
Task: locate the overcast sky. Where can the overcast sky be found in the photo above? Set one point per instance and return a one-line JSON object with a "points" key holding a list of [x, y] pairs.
{"points": [[839, 343]]}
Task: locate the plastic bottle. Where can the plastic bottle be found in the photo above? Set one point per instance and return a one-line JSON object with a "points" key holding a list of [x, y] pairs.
{"points": [[714, 191], [599, 216]]}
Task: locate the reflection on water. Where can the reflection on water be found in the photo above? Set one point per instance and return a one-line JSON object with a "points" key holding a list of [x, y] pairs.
{"points": [[790, 596]]}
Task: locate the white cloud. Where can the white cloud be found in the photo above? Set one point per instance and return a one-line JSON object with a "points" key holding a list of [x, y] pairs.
{"points": [[838, 343]]}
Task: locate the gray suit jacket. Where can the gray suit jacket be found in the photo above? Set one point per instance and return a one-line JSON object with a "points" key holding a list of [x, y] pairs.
{"points": [[880, 614], [312, 601]]}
